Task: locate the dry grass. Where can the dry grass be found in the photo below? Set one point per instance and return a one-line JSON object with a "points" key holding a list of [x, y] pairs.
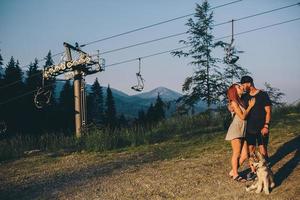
{"points": [[193, 167]]}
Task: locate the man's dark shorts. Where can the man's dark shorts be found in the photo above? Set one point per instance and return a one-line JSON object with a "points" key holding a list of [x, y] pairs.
{"points": [[257, 139]]}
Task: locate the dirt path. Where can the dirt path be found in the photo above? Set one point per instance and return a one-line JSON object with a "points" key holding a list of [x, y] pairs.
{"points": [[190, 169]]}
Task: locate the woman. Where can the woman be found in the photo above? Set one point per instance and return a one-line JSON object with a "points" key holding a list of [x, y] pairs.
{"points": [[237, 129]]}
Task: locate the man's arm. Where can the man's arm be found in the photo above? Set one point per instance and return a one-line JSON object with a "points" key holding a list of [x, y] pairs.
{"points": [[265, 129]]}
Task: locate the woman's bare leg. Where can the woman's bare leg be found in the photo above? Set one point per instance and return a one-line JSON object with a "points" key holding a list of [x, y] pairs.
{"points": [[244, 153], [236, 152]]}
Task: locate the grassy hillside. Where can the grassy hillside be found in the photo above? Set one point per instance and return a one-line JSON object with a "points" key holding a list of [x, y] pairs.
{"points": [[191, 165]]}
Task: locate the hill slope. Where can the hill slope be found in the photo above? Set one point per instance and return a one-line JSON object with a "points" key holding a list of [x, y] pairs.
{"points": [[186, 167]]}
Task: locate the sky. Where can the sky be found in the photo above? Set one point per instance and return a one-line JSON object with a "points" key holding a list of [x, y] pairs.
{"points": [[30, 28]]}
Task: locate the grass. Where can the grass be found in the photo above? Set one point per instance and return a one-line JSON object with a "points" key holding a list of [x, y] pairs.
{"points": [[192, 164], [101, 140]]}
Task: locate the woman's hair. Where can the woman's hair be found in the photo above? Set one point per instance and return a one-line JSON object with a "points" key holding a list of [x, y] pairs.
{"points": [[232, 95]]}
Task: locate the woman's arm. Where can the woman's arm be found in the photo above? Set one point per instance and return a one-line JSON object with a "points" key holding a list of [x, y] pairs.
{"points": [[239, 112]]}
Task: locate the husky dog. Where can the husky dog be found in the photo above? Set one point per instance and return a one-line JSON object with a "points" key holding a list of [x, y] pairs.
{"points": [[265, 179]]}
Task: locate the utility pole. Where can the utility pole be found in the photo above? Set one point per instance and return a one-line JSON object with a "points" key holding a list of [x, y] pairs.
{"points": [[77, 91], [80, 67]]}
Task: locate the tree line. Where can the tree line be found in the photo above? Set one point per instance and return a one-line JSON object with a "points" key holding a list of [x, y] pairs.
{"points": [[20, 115], [208, 83]]}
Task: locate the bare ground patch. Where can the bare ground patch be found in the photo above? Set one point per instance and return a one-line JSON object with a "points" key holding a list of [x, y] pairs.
{"points": [[184, 168]]}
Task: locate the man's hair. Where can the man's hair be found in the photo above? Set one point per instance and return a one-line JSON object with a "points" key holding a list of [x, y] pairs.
{"points": [[247, 79]]}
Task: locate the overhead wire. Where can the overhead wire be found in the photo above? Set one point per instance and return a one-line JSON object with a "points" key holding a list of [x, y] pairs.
{"points": [[240, 33], [161, 38], [130, 60], [155, 24], [124, 33], [168, 51], [183, 33]]}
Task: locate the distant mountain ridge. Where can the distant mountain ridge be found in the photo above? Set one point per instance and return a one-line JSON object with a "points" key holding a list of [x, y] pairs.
{"points": [[130, 105], [165, 93]]}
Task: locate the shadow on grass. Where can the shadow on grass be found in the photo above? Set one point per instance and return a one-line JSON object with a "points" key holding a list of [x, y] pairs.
{"points": [[47, 187], [290, 165]]}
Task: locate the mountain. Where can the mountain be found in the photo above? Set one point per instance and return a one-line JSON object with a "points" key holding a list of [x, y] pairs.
{"points": [[165, 93], [130, 105], [296, 103]]}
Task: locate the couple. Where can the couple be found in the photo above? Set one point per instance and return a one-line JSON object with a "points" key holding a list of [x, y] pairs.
{"points": [[250, 125]]}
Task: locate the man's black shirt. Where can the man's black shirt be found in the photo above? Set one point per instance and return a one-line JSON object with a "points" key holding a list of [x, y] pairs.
{"points": [[257, 115]]}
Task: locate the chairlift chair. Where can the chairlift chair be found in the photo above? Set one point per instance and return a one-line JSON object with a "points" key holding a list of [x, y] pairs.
{"points": [[140, 81], [42, 97]]}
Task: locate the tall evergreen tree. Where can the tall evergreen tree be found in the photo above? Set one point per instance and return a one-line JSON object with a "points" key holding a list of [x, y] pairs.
{"points": [[205, 83], [110, 109], [50, 83], [1, 89], [122, 121], [150, 114], [232, 71], [14, 104], [141, 117], [96, 104], [33, 76], [66, 106], [159, 109], [51, 110], [1, 69], [33, 80], [275, 95]]}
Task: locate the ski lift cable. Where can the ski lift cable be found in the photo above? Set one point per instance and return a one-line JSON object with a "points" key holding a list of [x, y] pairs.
{"points": [[183, 33], [168, 51], [219, 38], [155, 24], [154, 40]]}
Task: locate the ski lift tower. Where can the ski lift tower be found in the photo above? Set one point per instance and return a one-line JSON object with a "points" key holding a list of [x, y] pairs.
{"points": [[78, 68]]}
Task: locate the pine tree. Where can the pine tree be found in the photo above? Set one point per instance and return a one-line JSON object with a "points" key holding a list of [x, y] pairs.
{"points": [[14, 108], [51, 110], [50, 83], [110, 109], [33, 80], [232, 71], [1, 69], [1, 89], [275, 95], [159, 109], [150, 114], [96, 104], [34, 76], [13, 74], [122, 121], [141, 117], [205, 83], [66, 106]]}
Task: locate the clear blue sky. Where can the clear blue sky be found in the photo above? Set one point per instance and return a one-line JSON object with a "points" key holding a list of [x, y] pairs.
{"points": [[30, 28]]}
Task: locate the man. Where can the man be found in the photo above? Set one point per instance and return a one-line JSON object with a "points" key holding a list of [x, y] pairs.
{"points": [[258, 120]]}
